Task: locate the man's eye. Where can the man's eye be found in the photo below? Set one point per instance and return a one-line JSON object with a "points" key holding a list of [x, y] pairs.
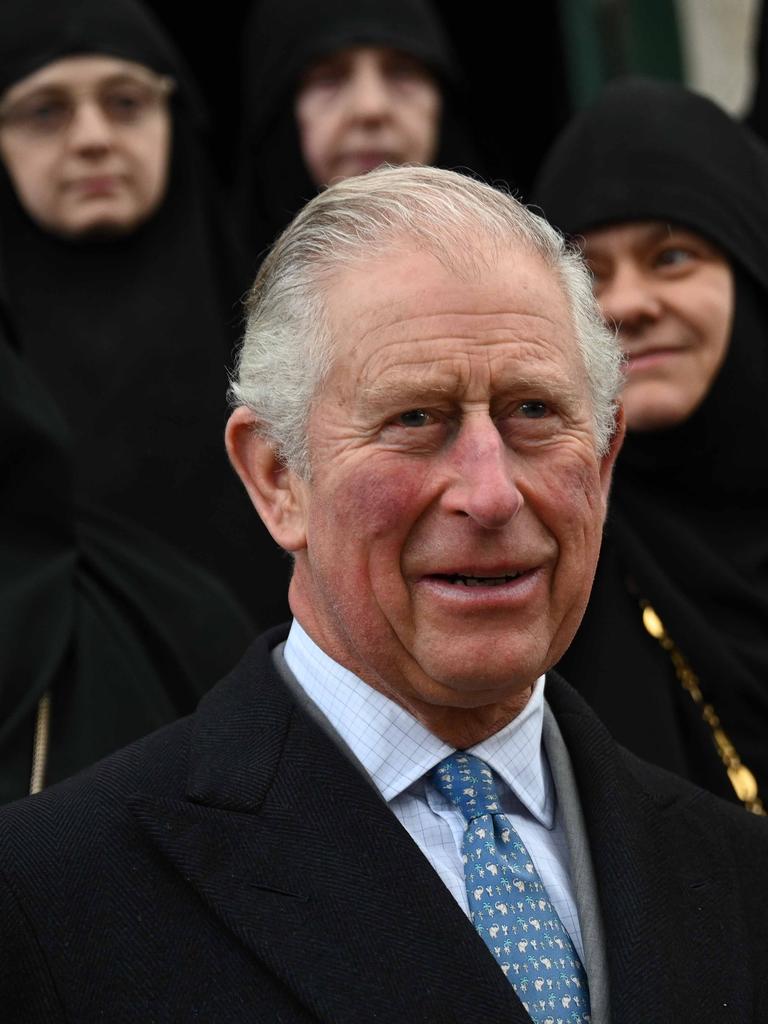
{"points": [[534, 409], [414, 418]]}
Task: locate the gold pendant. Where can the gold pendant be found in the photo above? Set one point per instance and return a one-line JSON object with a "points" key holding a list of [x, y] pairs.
{"points": [[743, 782]]}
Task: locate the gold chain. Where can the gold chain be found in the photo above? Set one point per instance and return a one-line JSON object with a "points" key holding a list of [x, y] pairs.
{"points": [[40, 743], [743, 781]]}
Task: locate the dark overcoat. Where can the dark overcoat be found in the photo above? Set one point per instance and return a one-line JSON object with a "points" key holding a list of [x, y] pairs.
{"points": [[235, 866]]}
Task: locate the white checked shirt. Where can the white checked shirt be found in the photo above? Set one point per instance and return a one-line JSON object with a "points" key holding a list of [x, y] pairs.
{"points": [[398, 752]]}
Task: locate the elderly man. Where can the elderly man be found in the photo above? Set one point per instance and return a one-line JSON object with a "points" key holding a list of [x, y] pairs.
{"points": [[390, 815]]}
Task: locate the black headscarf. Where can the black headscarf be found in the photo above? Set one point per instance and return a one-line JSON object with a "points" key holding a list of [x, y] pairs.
{"points": [[120, 630], [133, 336], [688, 525], [281, 39]]}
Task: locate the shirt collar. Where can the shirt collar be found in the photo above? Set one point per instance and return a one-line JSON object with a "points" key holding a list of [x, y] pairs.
{"points": [[397, 750]]}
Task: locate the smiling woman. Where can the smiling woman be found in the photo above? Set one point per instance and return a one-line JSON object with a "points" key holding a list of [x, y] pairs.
{"points": [[670, 294], [667, 195]]}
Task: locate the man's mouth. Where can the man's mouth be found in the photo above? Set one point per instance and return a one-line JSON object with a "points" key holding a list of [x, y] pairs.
{"points": [[479, 581], [473, 589]]}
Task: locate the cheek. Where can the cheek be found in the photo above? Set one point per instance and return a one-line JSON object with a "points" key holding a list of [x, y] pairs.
{"points": [[380, 499], [151, 158], [709, 311], [420, 123], [367, 518], [718, 337], [33, 177], [573, 509], [317, 129]]}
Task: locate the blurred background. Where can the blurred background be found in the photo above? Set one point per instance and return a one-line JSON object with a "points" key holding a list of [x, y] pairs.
{"points": [[530, 64]]}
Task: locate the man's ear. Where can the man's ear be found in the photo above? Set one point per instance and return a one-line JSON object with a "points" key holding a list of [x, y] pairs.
{"points": [[277, 493], [608, 460]]}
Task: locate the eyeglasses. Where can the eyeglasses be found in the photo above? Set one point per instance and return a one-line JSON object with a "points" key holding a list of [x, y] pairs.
{"points": [[123, 102]]}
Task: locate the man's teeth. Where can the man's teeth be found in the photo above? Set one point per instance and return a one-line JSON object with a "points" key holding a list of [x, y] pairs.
{"points": [[483, 581]]}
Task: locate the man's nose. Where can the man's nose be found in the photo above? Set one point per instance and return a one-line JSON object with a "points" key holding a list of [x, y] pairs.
{"points": [[630, 299], [90, 129], [482, 477]]}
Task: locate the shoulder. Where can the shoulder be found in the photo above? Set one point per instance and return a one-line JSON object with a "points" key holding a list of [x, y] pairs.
{"points": [[603, 765], [92, 807], [41, 827]]}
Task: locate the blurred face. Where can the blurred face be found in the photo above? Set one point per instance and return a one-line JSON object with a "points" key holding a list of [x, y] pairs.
{"points": [[450, 530], [365, 106], [86, 142], [670, 294]]}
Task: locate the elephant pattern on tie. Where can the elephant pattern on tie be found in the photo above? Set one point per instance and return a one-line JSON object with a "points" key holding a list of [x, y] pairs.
{"points": [[508, 903]]}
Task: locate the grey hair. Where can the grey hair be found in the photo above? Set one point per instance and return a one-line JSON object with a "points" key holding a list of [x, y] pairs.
{"points": [[287, 347]]}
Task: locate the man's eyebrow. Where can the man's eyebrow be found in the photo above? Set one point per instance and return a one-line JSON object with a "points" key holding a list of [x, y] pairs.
{"points": [[559, 389], [404, 390], [414, 391]]}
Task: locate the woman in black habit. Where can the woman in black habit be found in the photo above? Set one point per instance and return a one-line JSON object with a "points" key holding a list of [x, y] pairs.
{"points": [[130, 322], [659, 185], [290, 44], [105, 633]]}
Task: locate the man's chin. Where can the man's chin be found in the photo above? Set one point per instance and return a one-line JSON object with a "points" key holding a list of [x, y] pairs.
{"points": [[473, 684]]}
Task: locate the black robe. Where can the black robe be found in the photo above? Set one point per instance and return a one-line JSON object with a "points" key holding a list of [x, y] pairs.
{"points": [[688, 523], [120, 630], [133, 336], [281, 39]]}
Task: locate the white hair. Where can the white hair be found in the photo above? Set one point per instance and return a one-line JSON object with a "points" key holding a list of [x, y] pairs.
{"points": [[287, 348]]}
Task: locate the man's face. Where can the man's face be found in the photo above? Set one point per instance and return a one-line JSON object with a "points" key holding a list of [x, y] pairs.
{"points": [[670, 293], [453, 518], [86, 142], [365, 106]]}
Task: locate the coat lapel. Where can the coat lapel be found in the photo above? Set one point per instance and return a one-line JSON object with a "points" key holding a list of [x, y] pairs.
{"points": [[296, 854], [665, 894]]}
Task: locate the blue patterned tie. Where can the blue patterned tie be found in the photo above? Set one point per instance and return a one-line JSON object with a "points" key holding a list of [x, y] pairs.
{"points": [[509, 905]]}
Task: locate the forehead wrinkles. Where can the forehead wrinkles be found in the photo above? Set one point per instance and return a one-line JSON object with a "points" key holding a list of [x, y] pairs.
{"points": [[475, 337], [383, 312], [391, 318], [396, 339]]}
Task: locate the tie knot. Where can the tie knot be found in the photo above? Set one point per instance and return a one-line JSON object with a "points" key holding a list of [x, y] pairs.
{"points": [[468, 783]]}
